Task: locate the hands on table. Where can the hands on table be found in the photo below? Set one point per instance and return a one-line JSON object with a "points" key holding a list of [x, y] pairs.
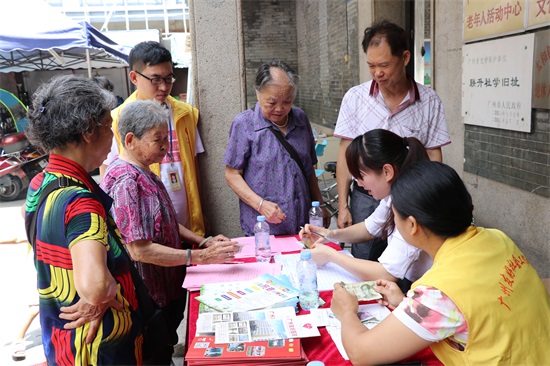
{"points": [[320, 253], [220, 250]]}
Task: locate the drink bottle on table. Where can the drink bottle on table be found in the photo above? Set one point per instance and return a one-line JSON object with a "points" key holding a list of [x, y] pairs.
{"points": [[316, 214], [306, 270], [261, 236]]}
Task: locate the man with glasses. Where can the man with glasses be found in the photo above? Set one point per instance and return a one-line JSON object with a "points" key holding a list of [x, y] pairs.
{"points": [[152, 74]]}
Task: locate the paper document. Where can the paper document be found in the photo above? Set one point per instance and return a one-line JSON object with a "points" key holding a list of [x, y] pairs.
{"points": [[214, 273], [266, 329], [259, 293], [278, 246], [255, 326], [327, 274], [370, 315]]}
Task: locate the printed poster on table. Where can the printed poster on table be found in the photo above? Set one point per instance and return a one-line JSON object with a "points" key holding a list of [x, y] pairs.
{"points": [[257, 325], [260, 293]]}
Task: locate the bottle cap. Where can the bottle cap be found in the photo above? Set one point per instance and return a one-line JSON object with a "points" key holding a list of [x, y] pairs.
{"points": [[305, 255], [315, 203], [260, 218], [315, 363]]}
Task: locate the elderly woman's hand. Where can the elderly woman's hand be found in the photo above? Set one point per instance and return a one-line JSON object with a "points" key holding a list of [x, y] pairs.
{"points": [[272, 212], [218, 252], [215, 239], [83, 312]]}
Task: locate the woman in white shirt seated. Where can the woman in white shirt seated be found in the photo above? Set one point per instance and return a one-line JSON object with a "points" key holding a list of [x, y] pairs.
{"points": [[481, 303], [375, 160]]}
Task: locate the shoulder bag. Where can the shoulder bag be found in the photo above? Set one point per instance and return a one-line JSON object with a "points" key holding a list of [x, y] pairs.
{"points": [[156, 335], [293, 154]]}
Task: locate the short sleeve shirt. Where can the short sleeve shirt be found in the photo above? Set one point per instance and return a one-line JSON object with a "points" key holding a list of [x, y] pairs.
{"points": [[433, 316], [419, 115], [268, 168], [68, 216], [143, 211], [400, 259]]}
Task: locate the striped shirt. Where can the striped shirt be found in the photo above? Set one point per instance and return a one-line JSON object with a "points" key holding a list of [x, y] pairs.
{"points": [[419, 115]]}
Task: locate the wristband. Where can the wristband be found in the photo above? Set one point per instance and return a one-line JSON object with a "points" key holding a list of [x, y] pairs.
{"points": [[260, 206], [201, 244], [188, 261]]}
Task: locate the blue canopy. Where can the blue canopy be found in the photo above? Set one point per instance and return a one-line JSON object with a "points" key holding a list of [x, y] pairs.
{"points": [[36, 36]]}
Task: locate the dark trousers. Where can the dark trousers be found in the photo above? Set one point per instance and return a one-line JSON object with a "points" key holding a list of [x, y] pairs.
{"points": [[174, 315], [362, 205]]}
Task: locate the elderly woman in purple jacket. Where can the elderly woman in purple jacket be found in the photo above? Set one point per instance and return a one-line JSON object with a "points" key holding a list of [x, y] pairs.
{"points": [[260, 169]]}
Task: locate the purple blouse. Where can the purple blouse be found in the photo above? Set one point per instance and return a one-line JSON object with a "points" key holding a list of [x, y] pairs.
{"points": [[268, 168], [143, 211]]}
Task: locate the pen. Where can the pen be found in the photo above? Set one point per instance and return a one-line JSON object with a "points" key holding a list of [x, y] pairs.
{"points": [[322, 236]]}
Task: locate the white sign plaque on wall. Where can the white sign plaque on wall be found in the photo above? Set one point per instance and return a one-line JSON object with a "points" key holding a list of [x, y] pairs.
{"points": [[497, 79]]}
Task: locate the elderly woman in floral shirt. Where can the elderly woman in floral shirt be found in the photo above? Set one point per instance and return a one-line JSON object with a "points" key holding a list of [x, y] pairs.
{"points": [[146, 217]]}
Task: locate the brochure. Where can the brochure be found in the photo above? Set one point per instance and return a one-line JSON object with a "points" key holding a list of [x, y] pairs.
{"points": [[204, 351], [262, 292]]}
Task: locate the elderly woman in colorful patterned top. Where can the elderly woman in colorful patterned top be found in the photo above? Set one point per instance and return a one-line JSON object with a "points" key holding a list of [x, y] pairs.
{"points": [[260, 170], [81, 273], [146, 217]]}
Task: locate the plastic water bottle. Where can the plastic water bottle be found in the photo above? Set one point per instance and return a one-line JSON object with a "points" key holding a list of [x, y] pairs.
{"points": [[307, 279], [316, 214], [261, 236]]}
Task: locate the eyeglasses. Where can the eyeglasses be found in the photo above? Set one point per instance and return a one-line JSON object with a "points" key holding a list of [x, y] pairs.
{"points": [[157, 81]]}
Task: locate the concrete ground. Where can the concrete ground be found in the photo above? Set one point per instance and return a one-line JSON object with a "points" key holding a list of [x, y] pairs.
{"points": [[16, 285]]}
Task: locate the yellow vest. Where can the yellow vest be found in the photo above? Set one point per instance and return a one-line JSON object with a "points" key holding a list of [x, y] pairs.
{"points": [[501, 296], [186, 118]]}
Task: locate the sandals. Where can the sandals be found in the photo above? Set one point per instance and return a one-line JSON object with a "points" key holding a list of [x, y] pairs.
{"points": [[18, 350]]}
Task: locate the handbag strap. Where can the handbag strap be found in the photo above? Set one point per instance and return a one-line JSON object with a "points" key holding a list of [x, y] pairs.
{"points": [[147, 307], [293, 154]]}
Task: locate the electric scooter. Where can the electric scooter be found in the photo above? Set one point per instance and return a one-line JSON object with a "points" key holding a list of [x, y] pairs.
{"points": [[19, 163]]}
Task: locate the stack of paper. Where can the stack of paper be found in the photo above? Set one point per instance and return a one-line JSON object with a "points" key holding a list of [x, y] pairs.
{"points": [[369, 314], [197, 276], [327, 274], [278, 246]]}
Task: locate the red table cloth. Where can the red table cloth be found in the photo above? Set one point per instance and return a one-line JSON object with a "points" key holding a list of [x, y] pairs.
{"points": [[316, 348]]}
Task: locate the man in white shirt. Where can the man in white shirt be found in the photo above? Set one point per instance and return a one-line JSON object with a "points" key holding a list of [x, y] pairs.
{"points": [[392, 100]]}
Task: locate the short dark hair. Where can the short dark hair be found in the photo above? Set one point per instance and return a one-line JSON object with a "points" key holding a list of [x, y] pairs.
{"points": [[64, 108], [378, 147], [148, 53], [264, 77], [391, 32], [434, 194]]}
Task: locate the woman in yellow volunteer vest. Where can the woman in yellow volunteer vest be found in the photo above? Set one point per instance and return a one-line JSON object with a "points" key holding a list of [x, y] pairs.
{"points": [[481, 302]]}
